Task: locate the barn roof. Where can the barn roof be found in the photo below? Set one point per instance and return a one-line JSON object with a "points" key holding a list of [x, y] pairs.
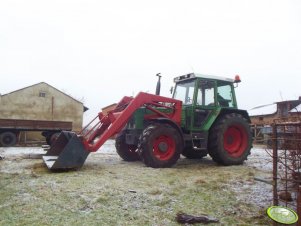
{"points": [[85, 108]]}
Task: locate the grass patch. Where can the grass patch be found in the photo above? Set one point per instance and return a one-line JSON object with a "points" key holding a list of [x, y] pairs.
{"points": [[109, 193]]}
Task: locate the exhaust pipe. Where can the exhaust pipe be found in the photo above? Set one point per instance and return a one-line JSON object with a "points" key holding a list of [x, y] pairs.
{"points": [[158, 88]]}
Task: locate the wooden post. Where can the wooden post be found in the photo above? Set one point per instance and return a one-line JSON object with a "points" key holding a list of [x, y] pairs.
{"points": [[52, 107]]}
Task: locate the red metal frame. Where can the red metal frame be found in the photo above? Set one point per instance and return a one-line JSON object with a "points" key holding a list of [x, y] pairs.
{"points": [[113, 122]]}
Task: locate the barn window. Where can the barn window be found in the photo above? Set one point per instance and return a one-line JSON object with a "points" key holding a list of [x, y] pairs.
{"points": [[42, 94]]}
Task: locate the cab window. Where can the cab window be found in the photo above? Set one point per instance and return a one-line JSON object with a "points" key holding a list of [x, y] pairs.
{"points": [[184, 92], [206, 93], [224, 95]]}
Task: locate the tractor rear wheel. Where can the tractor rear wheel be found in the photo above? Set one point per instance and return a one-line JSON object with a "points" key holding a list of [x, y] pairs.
{"points": [[160, 145], [8, 139], [230, 140], [189, 153], [125, 151]]}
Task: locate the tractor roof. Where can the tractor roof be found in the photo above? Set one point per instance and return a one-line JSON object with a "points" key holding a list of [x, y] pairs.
{"points": [[195, 75]]}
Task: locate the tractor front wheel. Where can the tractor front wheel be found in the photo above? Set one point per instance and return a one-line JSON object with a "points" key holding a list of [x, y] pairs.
{"points": [[160, 145], [230, 140], [125, 151]]}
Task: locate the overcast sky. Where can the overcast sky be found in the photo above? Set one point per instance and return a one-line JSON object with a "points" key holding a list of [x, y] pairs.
{"points": [[99, 51]]}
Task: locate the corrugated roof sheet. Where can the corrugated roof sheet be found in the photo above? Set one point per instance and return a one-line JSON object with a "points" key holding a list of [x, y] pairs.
{"points": [[268, 109]]}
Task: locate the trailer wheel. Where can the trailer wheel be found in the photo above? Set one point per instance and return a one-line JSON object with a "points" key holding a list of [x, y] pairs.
{"points": [[189, 153], [126, 152], [230, 140], [8, 139], [160, 145]]}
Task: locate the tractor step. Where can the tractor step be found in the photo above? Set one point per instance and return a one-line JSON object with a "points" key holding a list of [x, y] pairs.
{"points": [[67, 152], [199, 141]]}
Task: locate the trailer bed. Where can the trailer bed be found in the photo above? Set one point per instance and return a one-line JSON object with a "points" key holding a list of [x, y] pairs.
{"points": [[34, 125]]}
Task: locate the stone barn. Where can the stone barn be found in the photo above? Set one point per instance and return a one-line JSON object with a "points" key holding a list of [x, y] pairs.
{"points": [[42, 101]]}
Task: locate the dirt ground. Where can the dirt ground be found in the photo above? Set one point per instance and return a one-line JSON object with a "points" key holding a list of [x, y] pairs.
{"points": [[109, 191]]}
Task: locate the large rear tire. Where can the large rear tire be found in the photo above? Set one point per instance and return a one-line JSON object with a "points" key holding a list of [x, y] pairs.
{"points": [[230, 140], [125, 151], [160, 145], [8, 139]]}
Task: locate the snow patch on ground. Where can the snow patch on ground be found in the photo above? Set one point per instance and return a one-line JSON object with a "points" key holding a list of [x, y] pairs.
{"points": [[260, 159], [15, 151], [107, 148]]}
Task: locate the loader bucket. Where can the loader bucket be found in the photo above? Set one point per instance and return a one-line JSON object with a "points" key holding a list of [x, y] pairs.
{"points": [[67, 152]]}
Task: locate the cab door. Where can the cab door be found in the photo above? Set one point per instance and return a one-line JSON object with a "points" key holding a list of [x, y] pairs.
{"points": [[205, 103], [185, 91]]}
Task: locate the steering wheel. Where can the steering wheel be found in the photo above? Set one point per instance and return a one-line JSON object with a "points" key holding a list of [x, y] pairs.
{"points": [[188, 100]]}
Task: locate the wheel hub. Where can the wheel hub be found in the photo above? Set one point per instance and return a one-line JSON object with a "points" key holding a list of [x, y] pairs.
{"points": [[235, 140], [163, 147], [230, 139], [7, 139]]}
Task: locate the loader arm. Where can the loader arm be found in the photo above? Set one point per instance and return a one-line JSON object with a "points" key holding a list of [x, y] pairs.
{"points": [[71, 150], [115, 120]]}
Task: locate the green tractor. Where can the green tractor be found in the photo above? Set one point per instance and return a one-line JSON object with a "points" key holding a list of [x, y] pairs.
{"points": [[211, 123], [201, 118]]}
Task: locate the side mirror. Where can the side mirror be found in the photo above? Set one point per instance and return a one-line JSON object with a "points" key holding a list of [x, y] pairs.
{"points": [[171, 90]]}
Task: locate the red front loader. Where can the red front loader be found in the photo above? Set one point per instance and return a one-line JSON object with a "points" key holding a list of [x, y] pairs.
{"points": [[71, 150]]}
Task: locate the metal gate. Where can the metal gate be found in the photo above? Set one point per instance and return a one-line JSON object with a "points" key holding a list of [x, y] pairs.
{"points": [[286, 146]]}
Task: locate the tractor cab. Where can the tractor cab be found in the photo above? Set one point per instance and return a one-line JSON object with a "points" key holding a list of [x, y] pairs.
{"points": [[205, 90], [203, 97]]}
